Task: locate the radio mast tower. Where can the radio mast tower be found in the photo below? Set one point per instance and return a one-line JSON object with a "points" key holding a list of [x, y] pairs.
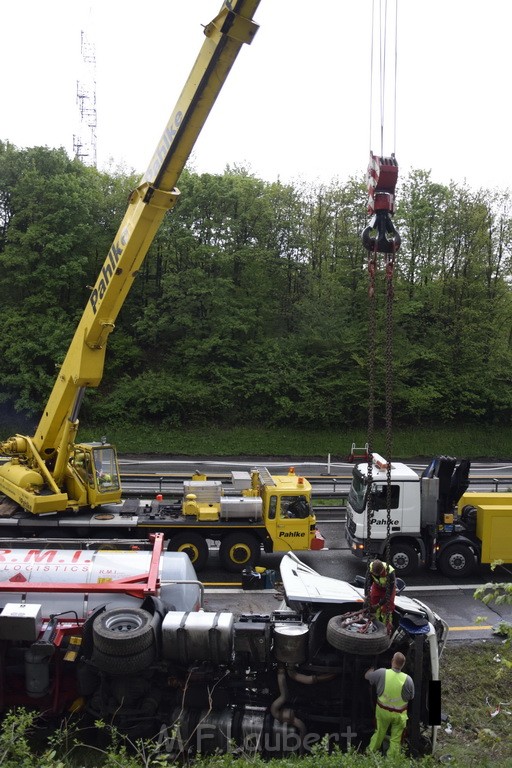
{"points": [[84, 141]]}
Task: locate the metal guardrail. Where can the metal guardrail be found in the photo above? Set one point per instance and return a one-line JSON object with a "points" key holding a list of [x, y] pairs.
{"points": [[331, 487]]}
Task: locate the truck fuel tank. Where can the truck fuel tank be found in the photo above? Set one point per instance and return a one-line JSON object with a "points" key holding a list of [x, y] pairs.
{"points": [[198, 636], [241, 508]]}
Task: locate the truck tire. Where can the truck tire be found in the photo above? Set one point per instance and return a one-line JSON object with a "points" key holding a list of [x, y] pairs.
{"points": [[349, 640], [123, 631], [457, 561], [404, 559], [238, 551], [124, 665], [194, 545]]}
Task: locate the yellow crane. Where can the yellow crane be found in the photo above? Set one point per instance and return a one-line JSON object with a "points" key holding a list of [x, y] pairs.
{"points": [[48, 472]]}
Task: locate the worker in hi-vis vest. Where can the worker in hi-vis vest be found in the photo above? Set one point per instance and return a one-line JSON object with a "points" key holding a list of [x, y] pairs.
{"points": [[394, 690], [380, 590]]}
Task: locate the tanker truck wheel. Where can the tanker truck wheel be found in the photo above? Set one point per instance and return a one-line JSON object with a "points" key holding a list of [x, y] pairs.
{"points": [[350, 640], [238, 551], [193, 545], [123, 631], [124, 665]]}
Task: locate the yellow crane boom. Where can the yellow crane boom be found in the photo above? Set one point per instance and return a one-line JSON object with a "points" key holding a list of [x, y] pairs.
{"points": [[48, 472]]}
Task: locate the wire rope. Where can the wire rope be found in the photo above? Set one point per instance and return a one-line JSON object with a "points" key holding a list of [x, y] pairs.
{"points": [[380, 35], [383, 15]]}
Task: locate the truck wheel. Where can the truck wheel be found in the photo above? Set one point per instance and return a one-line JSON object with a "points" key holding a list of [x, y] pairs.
{"points": [[238, 551], [350, 640], [457, 560], [193, 545], [124, 665], [123, 631], [404, 559]]}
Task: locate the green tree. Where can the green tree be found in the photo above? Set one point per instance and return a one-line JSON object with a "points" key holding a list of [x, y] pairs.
{"points": [[55, 223], [252, 303]]}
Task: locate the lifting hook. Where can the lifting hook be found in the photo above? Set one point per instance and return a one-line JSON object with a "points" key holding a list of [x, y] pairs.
{"points": [[381, 235]]}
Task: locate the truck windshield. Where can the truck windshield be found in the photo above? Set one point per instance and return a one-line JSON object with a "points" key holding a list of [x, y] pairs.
{"points": [[105, 464], [357, 493]]}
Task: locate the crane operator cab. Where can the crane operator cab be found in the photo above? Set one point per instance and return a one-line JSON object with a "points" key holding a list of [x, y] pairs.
{"points": [[96, 464]]}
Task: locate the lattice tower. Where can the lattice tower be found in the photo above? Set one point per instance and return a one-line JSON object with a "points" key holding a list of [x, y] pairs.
{"points": [[84, 141]]}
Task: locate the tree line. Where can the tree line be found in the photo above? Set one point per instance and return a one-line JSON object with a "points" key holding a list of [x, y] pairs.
{"points": [[252, 304]]}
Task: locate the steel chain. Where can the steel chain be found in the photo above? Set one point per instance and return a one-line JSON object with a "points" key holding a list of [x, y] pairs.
{"points": [[388, 365], [372, 346], [389, 405]]}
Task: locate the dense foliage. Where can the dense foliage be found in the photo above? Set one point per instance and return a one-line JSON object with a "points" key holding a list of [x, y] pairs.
{"points": [[252, 306]]}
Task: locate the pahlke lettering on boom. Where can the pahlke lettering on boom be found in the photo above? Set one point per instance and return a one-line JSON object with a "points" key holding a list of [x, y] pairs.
{"points": [[108, 270], [163, 146]]}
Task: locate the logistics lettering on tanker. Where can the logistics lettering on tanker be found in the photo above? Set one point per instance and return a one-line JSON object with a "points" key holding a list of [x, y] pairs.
{"points": [[109, 268], [15, 563], [39, 568]]}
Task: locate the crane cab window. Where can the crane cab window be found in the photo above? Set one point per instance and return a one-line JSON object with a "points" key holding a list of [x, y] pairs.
{"points": [[105, 467]]}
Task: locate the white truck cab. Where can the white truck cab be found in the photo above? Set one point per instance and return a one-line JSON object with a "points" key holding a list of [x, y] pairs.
{"points": [[421, 524], [405, 510]]}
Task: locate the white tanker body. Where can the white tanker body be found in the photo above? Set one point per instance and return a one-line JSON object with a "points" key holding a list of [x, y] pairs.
{"points": [[59, 567]]}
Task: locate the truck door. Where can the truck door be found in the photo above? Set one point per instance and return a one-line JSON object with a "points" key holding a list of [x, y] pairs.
{"points": [[379, 505], [293, 517]]}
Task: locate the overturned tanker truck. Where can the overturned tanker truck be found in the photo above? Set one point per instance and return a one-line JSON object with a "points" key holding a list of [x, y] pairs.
{"points": [[123, 637]]}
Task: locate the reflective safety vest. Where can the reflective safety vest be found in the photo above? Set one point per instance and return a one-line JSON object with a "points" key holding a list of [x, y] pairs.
{"points": [[383, 579], [391, 698]]}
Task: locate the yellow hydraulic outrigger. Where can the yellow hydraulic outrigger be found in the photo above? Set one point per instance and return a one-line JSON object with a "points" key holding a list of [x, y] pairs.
{"points": [[48, 472]]}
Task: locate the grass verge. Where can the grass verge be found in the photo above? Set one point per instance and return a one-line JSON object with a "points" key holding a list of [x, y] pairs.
{"points": [[475, 685], [465, 441]]}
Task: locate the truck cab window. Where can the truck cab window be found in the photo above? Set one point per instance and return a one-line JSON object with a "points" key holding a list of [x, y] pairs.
{"points": [[380, 498], [357, 493], [294, 507]]}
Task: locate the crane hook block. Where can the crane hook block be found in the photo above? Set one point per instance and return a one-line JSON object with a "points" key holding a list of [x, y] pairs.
{"points": [[381, 235], [382, 176]]}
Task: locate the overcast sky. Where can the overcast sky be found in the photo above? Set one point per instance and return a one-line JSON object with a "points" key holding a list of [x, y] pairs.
{"points": [[295, 105]]}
